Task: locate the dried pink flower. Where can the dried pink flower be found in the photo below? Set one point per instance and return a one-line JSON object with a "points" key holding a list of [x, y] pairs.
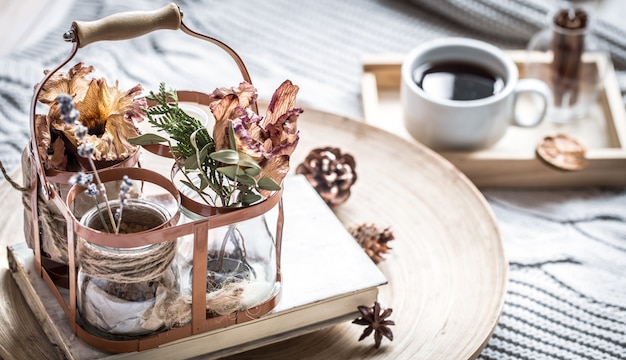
{"points": [[269, 140]]}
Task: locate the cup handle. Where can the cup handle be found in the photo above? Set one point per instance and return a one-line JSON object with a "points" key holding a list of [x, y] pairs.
{"points": [[538, 88]]}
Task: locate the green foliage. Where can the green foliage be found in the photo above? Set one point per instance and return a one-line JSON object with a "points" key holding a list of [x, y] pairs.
{"points": [[166, 115], [231, 175], [147, 139]]}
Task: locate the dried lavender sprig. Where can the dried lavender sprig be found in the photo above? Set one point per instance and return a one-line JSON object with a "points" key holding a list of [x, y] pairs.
{"points": [[81, 179], [103, 191], [85, 150], [125, 187], [92, 191], [80, 131], [70, 116]]}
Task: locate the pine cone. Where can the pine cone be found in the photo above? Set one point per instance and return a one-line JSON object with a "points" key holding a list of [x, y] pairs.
{"points": [[372, 240], [330, 172]]}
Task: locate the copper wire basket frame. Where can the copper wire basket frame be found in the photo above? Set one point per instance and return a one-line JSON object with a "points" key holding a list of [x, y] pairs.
{"points": [[125, 26]]}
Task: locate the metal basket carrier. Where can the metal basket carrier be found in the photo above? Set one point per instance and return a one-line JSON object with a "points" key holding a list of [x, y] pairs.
{"points": [[124, 26]]}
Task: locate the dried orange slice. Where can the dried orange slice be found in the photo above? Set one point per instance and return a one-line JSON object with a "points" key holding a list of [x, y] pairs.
{"points": [[562, 151]]}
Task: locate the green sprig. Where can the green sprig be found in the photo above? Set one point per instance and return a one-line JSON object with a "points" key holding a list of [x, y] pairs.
{"points": [[229, 173]]}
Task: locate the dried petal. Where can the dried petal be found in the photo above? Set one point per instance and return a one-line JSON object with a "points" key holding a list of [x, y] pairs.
{"points": [[229, 104], [42, 129], [108, 113], [244, 94], [94, 108], [131, 105], [282, 102], [223, 110], [276, 168], [73, 83], [58, 159], [270, 140], [246, 143]]}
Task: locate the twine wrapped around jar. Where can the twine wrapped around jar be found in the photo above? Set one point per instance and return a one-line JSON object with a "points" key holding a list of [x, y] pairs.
{"points": [[174, 309], [117, 283], [135, 275], [125, 266]]}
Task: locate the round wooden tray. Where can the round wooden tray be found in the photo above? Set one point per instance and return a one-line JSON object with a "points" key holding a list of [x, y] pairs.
{"points": [[447, 269]]}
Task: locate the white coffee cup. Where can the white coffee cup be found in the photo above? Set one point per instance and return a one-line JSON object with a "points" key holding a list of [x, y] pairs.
{"points": [[444, 123]]}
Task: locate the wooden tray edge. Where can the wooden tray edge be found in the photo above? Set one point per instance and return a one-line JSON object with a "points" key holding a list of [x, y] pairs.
{"points": [[485, 168]]}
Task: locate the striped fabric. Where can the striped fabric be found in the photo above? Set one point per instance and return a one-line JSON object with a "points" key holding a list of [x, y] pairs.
{"points": [[566, 297], [516, 20], [567, 294]]}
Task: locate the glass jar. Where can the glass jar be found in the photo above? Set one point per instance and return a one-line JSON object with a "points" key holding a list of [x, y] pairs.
{"points": [[570, 59], [53, 226], [242, 264], [118, 288], [242, 256]]}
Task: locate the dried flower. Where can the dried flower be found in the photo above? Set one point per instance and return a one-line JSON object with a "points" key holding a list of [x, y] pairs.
{"points": [[125, 187], [92, 190], [330, 172], [86, 150], [108, 114], [81, 178], [373, 240], [69, 114], [248, 155], [376, 322], [80, 131], [269, 140]]}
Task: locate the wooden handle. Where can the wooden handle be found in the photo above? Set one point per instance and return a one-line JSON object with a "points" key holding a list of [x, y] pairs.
{"points": [[127, 25]]}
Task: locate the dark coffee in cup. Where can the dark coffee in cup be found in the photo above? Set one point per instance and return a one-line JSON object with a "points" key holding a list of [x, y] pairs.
{"points": [[454, 80], [461, 94]]}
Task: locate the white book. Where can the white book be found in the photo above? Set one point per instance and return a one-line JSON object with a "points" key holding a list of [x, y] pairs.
{"points": [[325, 276]]}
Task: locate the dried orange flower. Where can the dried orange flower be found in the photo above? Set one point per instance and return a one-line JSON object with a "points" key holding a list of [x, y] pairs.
{"points": [[109, 114]]}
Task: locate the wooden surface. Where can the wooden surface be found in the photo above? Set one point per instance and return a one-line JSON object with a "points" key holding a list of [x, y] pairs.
{"points": [[21, 337], [447, 270], [512, 161]]}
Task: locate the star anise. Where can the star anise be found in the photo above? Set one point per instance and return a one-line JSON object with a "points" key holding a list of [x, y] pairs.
{"points": [[375, 322]]}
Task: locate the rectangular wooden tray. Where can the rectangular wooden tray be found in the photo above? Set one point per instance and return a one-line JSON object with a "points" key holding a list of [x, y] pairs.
{"points": [[512, 162]]}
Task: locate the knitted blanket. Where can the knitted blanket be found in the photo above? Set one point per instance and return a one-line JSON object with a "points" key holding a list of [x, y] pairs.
{"points": [[566, 296]]}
